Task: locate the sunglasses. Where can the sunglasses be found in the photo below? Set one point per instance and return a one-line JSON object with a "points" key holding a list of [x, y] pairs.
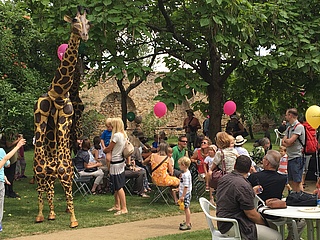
{"points": [[184, 141], [204, 142]]}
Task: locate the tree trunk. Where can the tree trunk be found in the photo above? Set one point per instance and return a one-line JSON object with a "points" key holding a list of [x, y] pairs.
{"points": [[215, 110], [124, 108]]}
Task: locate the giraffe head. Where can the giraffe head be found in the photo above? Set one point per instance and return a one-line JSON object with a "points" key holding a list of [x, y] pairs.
{"points": [[79, 24]]}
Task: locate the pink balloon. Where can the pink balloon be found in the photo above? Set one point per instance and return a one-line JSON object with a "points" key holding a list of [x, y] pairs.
{"points": [[160, 109], [229, 107], [61, 50]]}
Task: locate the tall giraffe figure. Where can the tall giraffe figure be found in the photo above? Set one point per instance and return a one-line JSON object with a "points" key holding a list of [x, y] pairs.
{"points": [[53, 118]]}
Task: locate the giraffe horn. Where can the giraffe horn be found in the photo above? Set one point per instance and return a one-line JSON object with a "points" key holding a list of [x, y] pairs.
{"points": [[79, 9]]}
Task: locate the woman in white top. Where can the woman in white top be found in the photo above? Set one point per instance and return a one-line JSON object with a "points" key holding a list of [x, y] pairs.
{"points": [[117, 166], [226, 152]]}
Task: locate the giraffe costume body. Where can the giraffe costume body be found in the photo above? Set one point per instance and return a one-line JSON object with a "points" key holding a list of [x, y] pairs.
{"points": [[53, 118]]}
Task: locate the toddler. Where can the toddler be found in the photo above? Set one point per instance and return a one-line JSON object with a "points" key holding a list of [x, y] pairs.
{"points": [[105, 138], [283, 160], [208, 162], [185, 189], [283, 164]]}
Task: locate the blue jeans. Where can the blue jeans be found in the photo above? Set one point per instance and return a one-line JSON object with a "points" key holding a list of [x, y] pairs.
{"points": [[295, 169]]}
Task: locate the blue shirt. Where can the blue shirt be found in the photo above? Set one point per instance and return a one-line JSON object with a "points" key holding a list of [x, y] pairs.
{"points": [[106, 136], [2, 154]]}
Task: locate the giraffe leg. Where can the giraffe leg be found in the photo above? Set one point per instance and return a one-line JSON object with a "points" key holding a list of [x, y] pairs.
{"points": [[67, 186], [40, 216], [50, 196]]}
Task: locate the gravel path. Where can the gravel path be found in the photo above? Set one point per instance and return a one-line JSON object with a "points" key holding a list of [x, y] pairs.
{"points": [[132, 230]]}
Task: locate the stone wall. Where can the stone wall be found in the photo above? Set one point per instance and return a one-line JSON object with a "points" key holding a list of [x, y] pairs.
{"points": [[105, 98]]}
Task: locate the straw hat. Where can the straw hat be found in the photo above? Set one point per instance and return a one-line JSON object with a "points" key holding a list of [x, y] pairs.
{"points": [[240, 140]]}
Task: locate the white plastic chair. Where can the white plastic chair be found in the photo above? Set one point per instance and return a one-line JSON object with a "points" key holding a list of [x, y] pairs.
{"points": [[279, 136], [216, 235]]}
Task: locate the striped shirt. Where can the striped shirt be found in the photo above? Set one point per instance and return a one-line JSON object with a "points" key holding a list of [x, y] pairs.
{"points": [[283, 164]]}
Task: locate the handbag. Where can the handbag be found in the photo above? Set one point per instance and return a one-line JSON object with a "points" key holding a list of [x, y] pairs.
{"points": [[275, 203], [91, 169], [128, 149], [301, 199], [218, 173]]}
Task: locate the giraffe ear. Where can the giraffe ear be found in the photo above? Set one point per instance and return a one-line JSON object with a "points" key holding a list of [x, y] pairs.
{"points": [[67, 19]]}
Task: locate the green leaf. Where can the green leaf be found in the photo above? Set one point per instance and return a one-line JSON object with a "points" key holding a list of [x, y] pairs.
{"points": [[204, 22]]}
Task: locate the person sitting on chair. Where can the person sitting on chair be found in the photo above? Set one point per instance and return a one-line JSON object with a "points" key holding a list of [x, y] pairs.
{"points": [[162, 170], [81, 162]]}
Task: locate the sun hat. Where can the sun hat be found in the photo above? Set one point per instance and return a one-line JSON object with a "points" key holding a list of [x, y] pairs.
{"points": [[214, 147], [240, 140]]}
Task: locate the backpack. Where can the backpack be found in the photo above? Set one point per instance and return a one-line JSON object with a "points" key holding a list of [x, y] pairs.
{"points": [[311, 143]]}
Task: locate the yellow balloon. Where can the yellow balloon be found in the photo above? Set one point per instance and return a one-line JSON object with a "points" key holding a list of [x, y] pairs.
{"points": [[313, 116]]}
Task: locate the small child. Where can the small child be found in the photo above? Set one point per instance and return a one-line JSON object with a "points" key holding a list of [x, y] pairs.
{"points": [[105, 138], [283, 160], [208, 161], [155, 143], [5, 162], [185, 189], [283, 164], [97, 150]]}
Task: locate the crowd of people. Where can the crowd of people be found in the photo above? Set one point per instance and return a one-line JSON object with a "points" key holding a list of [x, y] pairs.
{"points": [[167, 165]]}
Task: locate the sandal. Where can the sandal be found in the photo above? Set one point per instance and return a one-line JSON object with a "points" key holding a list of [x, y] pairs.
{"points": [[113, 209], [144, 195], [120, 213]]}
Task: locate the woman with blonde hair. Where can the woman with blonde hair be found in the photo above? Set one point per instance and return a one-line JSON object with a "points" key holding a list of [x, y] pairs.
{"points": [[226, 152], [117, 165]]}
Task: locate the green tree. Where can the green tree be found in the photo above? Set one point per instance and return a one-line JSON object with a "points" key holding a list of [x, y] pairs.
{"points": [[21, 82]]}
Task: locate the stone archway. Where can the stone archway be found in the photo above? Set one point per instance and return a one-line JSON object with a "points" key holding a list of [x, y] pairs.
{"points": [[111, 105]]}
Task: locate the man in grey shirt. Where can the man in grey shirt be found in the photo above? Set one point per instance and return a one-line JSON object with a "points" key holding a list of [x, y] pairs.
{"points": [[293, 139]]}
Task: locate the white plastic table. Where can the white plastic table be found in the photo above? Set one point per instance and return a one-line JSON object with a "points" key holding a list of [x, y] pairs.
{"points": [[296, 212]]}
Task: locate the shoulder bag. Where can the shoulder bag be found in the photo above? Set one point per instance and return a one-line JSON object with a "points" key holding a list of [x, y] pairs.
{"points": [[218, 173], [301, 199], [128, 149]]}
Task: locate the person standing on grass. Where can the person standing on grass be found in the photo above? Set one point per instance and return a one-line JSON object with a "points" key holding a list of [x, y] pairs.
{"points": [[5, 162], [294, 146], [10, 141], [117, 165], [191, 125], [185, 189]]}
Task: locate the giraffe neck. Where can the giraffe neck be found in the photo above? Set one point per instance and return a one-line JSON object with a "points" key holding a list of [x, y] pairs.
{"points": [[62, 80]]}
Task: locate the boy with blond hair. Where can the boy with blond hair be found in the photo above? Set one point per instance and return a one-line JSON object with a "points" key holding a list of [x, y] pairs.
{"points": [[185, 189]]}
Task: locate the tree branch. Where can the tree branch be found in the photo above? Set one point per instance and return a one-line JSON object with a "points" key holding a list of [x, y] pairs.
{"points": [[171, 28]]}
